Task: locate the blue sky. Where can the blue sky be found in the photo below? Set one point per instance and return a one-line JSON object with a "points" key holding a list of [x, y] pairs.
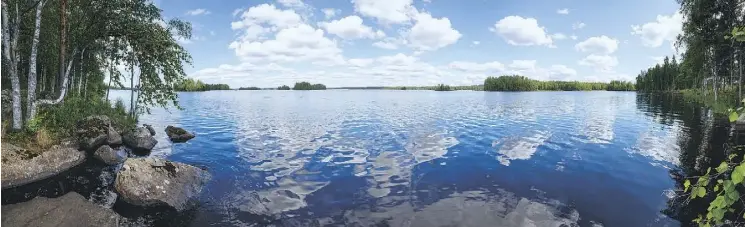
{"points": [[422, 42]]}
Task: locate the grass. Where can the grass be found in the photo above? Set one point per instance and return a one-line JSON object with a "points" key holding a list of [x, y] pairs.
{"points": [[56, 123]]}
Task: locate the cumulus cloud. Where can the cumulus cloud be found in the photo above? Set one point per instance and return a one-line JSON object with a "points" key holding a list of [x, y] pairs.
{"points": [[430, 33], [465, 66], [385, 11], [520, 31], [196, 12], [330, 12], [665, 28], [578, 25], [298, 43], [262, 19], [351, 27], [292, 3], [601, 63], [476, 42], [563, 11], [600, 45]]}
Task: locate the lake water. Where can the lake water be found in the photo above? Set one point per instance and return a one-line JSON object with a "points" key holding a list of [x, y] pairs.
{"points": [[425, 158]]}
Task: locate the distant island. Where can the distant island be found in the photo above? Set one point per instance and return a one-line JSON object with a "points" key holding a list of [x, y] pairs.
{"points": [[249, 88], [283, 87], [307, 86], [198, 85]]}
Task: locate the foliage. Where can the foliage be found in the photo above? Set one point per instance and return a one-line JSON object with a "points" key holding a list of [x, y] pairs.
{"points": [[62, 119], [198, 85], [616, 85], [250, 88], [307, 86], [662, 77], [283, 87], [522, 83], [442, 87]]}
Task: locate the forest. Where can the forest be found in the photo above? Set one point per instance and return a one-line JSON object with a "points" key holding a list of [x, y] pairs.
{"points": [[57, 56], [197, 85], [283, 87], [522, 83], [249, 88], [307, 86]]}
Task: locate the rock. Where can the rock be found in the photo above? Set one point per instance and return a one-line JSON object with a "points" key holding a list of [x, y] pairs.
{"points": [[109, 156], [92, 132], [139, 139], [177, 134], [113, 137], [155, 181], [21, 166], [71, 210], [149, 128]]}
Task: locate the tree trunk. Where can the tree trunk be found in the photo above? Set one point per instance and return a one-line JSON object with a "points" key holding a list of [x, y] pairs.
{"points": [[132, 91], [63, 89], [108, 88], [63, 26], [11, 58], [31, 97]]}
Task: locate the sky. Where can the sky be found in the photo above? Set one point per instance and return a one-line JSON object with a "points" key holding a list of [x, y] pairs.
{"points": [[422, 42]]}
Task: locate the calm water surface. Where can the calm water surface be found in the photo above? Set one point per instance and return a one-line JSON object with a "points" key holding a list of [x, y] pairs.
{"points": [[424, 158]]}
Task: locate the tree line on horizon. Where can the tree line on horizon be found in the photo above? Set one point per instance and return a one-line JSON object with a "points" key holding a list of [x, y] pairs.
{"points": [[522, 83], [197, 85]]}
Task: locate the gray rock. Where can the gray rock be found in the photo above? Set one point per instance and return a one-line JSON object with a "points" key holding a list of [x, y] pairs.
{"points": [[109, 156], [139, 139], [113, 137], [71, 210], [92, 132], [177, 134], [155, 181], [150, 129], [21, 166]]}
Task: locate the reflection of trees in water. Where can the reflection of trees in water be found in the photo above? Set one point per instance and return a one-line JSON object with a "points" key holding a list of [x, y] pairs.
{"points": [[701, 142]]}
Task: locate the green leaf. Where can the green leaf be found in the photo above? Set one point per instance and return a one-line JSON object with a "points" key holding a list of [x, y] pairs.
{"points": [[716, 188], [701, 192], [738, 174], [686, 184], [722, 167], [733, 195], [733, 116]]}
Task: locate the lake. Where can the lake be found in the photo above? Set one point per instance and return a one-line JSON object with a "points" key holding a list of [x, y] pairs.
{"points": [[425, 158]]}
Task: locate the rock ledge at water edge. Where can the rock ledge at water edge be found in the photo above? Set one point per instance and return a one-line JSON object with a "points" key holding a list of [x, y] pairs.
{"points": [[154, 181], [20, 167]]}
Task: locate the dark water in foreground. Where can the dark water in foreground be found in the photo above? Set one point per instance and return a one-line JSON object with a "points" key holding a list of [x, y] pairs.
{"points": [[424, 158]]}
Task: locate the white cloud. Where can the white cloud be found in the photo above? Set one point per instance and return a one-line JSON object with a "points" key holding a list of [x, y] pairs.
{"points": [[601, 63], [523, 64], [476, 42], [360, 62], [599, 45], [465, 66], [561, 72], [558, 36], [665, 28], [292, 3], [351, 27], [329, 13], [212, 32], [573, 37], [197, 12], [262, 19], [398, 59], [237, 11], [386, 11], [520, 31], [390, 44], [578, 25], [430, 33], [298, 43], [563, 11]]}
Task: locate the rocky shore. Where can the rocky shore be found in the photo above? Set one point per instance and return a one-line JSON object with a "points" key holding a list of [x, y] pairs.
{"points": [[138, 179]]}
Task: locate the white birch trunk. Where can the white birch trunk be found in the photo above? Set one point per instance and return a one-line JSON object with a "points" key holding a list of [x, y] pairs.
{"points": [[9, 53], [63, 88], [31, 97]]}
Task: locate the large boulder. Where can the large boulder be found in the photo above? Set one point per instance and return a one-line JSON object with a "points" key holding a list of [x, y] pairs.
{"points": [[92, 132], [139, 139], [177, 134], [155, 181], [109, 156], [21, 166], [149, 129], [71, 209], [113, 137]]}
